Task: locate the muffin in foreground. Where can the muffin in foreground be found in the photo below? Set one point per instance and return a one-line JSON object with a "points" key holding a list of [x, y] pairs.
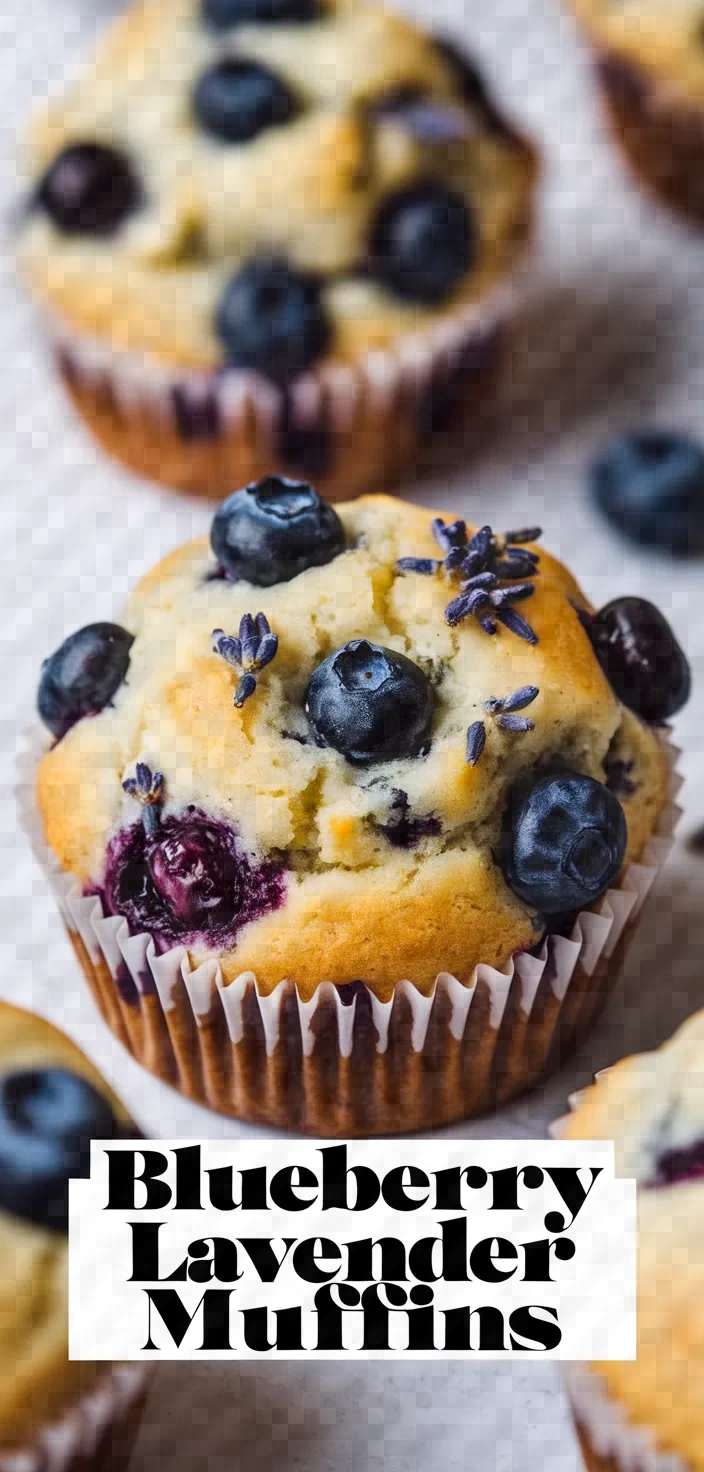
{"points": [[649, 1412], [275, 237], [649, 61], [330, 804], [56, 1415]]}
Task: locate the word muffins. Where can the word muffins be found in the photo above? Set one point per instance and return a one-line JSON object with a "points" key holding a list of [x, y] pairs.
{"points": [[648, 1412], [331, 809], [649, 60], [274, 236], [56, 1415]]}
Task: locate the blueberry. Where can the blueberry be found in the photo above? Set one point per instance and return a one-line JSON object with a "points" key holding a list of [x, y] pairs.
{"points": [[651, 486], [236, 99], [641, 658], [186, 879], [225, 13], [197, 875], [564, 841], [273, 530], [89, 189], [272, 320], [369, 703], [680, 1167], [82, 675], [423, 242], [48, 1118]]}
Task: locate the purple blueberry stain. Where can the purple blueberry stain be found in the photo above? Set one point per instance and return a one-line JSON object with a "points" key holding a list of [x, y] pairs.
{"points": [[402, 829], [188, 881], [196, 411], [679, 1167]]}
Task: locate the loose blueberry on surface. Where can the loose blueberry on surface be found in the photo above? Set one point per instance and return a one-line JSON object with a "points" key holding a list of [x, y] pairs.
{"points": [[188, 879], [48, 1118], [651, 486], [370, 703], [82, 676], [564, 841], [225, 13], [236, 99], [89, 189], [272, 320], [423, 242], [641, 658], [273, 530]]}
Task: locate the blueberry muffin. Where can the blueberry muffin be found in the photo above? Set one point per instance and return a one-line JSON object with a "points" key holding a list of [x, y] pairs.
{"points": [[649, 1412], [351, 778], [274, 236], [54, 1413], [649, 61]]}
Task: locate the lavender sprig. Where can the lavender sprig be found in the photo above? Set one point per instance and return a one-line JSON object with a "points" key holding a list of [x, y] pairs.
{"points": [[255, 647], [484, 564], [503, 709], [147, 787]]}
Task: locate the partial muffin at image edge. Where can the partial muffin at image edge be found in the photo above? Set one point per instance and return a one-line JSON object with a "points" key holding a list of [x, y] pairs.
{"points": [[648, 1412], [649, 65], [293, 248], [352, 816], [56, 1415]]}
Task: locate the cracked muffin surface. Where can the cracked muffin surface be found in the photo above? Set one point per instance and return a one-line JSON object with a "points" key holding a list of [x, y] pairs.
{"points": [[371, 869], [348, 111]]}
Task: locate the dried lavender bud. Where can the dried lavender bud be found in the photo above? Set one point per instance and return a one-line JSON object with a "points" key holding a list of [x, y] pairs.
{"points": [[255, 648], [147, 788], [515, 723], [426, 566], [483, 564], [531, 534], [476, 741], [517, 701]]}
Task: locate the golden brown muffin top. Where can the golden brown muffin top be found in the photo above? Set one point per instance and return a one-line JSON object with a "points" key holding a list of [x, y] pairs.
{"points": [[37, 1381], [349, 895], [376, 107], [652, 1106]]}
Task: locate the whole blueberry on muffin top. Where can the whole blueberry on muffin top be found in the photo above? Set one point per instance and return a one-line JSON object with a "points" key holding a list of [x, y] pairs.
{"points": [[358, 744], [53, 1103]]}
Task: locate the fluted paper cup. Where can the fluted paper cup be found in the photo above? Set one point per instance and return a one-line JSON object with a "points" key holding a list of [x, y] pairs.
{"points": [[344, 1063], [95, 1435], [609, 1441], [351, 427]]}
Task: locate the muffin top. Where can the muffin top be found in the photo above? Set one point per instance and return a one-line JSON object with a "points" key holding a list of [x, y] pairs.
{"points": [[52, 1102], [365, 745], [652, 1106], [270, 183], [666, 37]]}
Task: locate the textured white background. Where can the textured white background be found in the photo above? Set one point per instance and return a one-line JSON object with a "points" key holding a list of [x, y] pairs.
{"points": [[613, 335]]}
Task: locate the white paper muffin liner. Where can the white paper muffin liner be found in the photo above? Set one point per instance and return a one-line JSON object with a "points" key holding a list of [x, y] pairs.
{"points": [[616, 1444], [609, 1438], [344, 1064], [95, 1435], [208, 431]]}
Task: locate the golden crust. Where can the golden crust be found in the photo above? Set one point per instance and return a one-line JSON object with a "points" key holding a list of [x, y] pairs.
{"points": [[155, 287], [663, 37], [37, 1380], [307, 807], [634, 1104]]}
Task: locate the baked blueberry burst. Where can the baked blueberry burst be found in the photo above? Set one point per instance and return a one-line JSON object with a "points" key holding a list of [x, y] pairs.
{"points": [[184, 876], [48, 1117]]}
